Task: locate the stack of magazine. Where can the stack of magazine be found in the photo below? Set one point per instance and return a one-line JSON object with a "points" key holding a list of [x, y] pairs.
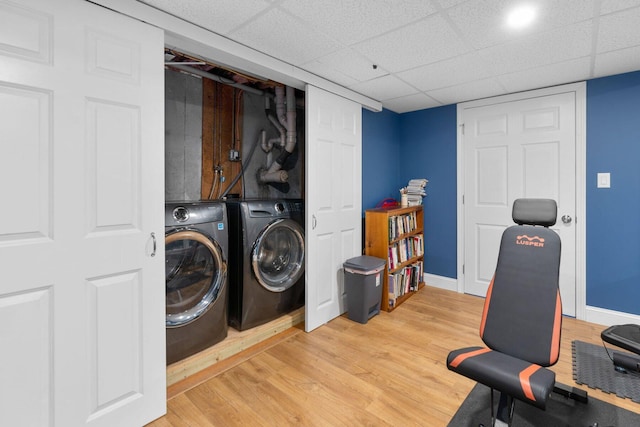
{"points": [[415, 191]]}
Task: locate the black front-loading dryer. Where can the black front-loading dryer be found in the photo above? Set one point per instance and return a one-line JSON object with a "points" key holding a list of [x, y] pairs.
{"points": [[267, 260]]}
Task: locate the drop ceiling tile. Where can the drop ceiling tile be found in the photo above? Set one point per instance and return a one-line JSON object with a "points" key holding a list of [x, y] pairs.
{"points": [[424, 42], [483, 24], [347, 63], [327, 72], [405, 104], [428, 43], [461, 69], [467, 92], [540, 49], [480, 22], [385, 87], [619, 30], [617, 62], [549, 75], [282, 36], [353, 21], [220, 16], [609, 6], [450, 3]]}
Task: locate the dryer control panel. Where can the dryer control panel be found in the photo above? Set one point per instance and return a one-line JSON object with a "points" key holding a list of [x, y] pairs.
{"points": [[177, 213]]}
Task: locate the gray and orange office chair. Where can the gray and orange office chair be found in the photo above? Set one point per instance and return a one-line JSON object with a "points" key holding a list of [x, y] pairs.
{"points": [[522, 316]]}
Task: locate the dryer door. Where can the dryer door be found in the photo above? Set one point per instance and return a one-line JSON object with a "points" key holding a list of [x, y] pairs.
{"points": [[195, 274], [278, 255]]}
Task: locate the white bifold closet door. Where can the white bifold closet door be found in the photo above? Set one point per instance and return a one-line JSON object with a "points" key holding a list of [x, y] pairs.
{"points": [[81, 223], [334, 200]]}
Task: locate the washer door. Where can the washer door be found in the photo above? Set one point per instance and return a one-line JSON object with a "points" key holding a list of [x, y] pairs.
{"points": [[278, 255], [195, 273]]}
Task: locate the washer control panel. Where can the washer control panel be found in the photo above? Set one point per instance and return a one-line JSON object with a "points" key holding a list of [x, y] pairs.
{"points": [[181, 214]]}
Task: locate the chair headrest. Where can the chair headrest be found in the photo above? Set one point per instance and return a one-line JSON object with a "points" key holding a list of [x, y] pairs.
{"points": [[535, 212]]}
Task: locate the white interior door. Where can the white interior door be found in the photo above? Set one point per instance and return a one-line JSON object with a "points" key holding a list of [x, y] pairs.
{"points": [[334, 200], [81, 184], [521, 148]]}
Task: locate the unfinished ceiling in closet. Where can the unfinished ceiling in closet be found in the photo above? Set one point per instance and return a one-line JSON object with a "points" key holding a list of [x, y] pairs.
{"points": [[418, 54], [182, 62]]}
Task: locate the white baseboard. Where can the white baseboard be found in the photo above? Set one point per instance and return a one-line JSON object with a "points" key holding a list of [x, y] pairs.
{"points": [[605, 317], [597, 315], [441, 282]]}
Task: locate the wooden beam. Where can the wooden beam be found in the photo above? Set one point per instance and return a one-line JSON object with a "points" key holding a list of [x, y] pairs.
{"points": [[221, 132], [208, 113]]}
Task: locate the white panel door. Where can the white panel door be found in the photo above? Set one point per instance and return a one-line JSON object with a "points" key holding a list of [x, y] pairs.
{"points": [[334, 200], [523, 148], [81, 184]]}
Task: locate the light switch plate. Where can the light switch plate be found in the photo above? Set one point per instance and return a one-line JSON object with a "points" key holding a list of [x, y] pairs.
{"points": [[604, 180]]}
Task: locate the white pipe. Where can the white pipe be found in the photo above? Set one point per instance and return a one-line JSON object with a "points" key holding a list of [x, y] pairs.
{"points": [[281, 129], [276, 141], [287, 118], [291, 120], [290, 116], [276, 176], [280, 109], [269, 159], [267, 145]]}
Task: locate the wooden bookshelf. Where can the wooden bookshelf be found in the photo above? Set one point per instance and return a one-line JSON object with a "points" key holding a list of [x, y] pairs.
{"points": [[396, 235]]}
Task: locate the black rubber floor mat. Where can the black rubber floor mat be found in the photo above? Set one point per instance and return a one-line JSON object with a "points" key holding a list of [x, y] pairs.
{"points": [[593, 367], [560, 412]]}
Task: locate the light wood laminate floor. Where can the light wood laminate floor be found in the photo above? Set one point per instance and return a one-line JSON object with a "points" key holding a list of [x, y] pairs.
{"points": [[388, 372]]}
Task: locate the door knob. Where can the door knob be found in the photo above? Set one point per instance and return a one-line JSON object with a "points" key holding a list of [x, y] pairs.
{"points": [[566, 219]]}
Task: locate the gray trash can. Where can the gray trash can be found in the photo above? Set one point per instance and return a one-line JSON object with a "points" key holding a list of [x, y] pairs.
{"points": [[363, 285]]}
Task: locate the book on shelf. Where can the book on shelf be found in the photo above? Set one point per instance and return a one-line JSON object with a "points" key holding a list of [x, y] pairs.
{"points": [[402, 243], [391, 290], [404, 281], [403, 250], [402, 224]]}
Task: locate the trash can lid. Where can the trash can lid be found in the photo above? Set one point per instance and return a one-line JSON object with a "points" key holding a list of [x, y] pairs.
{"points": [[364, 263]]}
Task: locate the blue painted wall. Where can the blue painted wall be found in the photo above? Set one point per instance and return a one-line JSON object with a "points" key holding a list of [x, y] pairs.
{"points": [[613, 145], [421, 144], [380, 167], [428, 139], [613, 214]]}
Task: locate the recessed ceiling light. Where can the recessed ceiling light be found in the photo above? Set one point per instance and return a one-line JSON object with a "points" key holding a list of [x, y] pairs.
{"points": [[521, 16]]}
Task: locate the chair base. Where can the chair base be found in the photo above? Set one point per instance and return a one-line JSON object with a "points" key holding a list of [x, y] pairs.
{"points": [[569, 392], [503, 416]]}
